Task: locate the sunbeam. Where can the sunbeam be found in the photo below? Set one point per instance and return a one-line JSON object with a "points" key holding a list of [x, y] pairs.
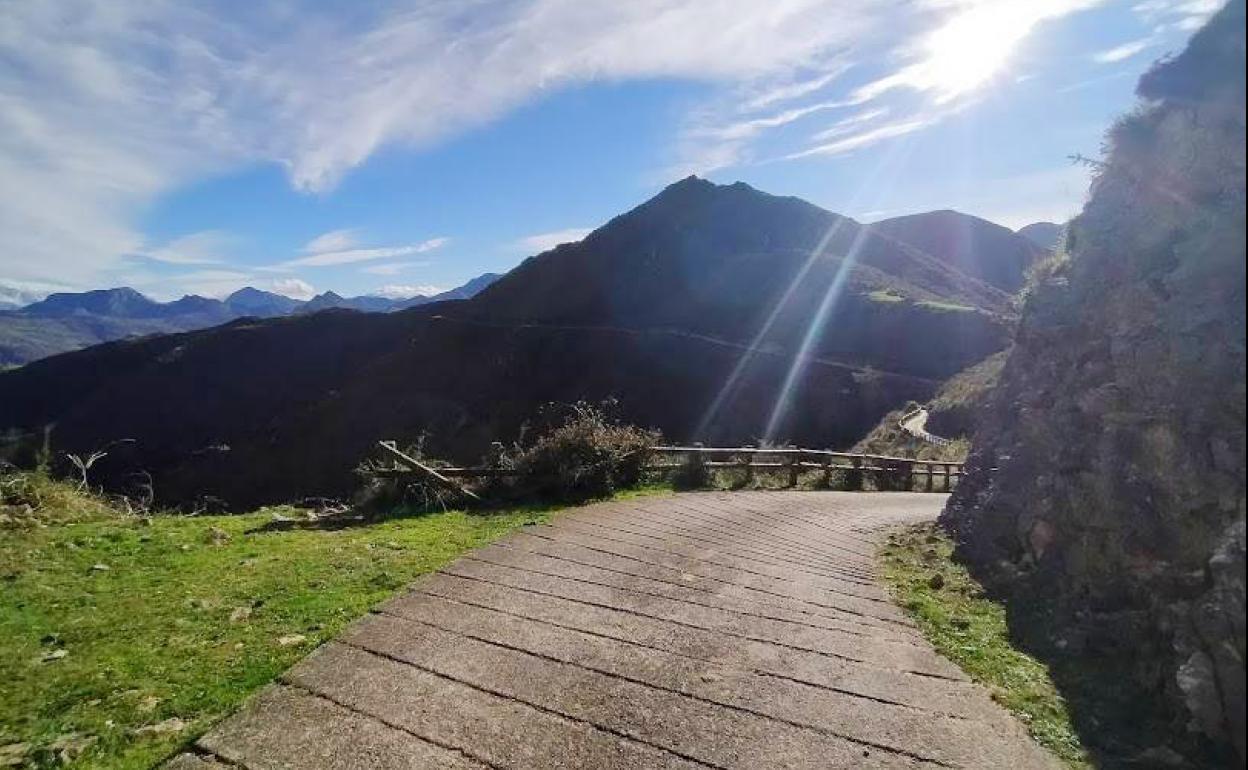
{"points": [[814, 332], [746, 357], [886, 167]]}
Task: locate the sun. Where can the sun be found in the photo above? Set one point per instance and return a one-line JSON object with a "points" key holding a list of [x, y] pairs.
{"points": [[972, 48]]}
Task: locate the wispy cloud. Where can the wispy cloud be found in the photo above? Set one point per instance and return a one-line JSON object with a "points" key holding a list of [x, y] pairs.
{"points": [[766, 95], [535, 244], [862, 139], [207, 247], [392, 268], [334, 240], [353, 256], [850, 124], [1122, 52]]}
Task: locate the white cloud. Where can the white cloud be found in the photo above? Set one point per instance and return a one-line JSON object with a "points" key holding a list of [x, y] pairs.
{"points": [[352, 256], [392, 268], [104, 107], [864, 138], [1122, 52], [334, 240], [407, 292], [293, 288], [536, 244], [207, 247]]}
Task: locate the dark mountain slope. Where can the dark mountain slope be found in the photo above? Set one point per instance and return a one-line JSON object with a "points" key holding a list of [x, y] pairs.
{"points": [[717, 260], [973, 246], [304, 399], [656, 309]]}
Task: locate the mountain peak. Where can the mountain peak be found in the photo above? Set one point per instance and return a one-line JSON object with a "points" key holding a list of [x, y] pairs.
{"points": [[121, 301]]}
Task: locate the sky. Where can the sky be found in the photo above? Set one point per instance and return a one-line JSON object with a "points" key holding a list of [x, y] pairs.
{"points": [[403, 147]]}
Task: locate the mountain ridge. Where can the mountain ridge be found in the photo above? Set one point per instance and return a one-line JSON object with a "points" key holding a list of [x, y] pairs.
{"points": [[66, 321]]}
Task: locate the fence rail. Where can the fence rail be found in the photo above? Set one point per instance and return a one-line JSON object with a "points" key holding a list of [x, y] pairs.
{"points": [[905, 473]]}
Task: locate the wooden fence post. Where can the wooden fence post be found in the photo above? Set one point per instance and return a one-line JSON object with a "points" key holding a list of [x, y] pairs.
{"points": [[827, 471], [697, 466], [853, 481], [795, 466], [907, 479], [749, 468], [930, 485]]}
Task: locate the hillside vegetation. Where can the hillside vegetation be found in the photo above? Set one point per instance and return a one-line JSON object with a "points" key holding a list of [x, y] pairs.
{"points": [[1107, 476]]}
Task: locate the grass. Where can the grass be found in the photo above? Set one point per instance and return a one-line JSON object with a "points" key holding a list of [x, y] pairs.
{"points": [[123, 638], [971, 630]]}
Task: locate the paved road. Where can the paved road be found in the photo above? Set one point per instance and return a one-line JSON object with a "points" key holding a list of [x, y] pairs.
{"points": [[704, 630], [916, 425]]}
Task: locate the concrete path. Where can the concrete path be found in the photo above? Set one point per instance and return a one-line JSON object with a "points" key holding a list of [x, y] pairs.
{"points": [[706, 630]]}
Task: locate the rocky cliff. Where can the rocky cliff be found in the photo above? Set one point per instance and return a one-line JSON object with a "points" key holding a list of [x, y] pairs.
{"points": [[1108, 473]]}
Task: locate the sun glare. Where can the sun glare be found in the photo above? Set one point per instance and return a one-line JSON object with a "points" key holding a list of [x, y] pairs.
{"points": [[973, 47]]}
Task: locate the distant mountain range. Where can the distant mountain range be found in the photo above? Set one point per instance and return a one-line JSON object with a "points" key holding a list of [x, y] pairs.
{"points": [[69, 321], [713, 312]]}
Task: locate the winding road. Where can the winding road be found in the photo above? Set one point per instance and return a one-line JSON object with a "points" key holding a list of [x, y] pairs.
{"points": [[699, 630], [915, 423]]}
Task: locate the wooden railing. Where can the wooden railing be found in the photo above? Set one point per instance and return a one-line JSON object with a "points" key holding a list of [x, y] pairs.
{"points": [[888, 472], [897, 473]]}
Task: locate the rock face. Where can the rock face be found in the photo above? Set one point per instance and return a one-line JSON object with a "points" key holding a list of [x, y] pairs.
{"points": [[1109, 469]]}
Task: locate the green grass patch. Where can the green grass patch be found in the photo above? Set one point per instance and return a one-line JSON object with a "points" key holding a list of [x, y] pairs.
{"points": [[115, 629], [970, 629]]}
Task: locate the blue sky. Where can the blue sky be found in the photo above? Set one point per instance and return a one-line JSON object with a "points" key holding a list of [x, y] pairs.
{"points": [[404, 147]]}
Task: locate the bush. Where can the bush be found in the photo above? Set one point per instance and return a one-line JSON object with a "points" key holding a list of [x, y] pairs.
{"points": [[585, 455]]}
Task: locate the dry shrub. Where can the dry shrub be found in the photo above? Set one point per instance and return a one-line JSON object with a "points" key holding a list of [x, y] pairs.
{"points": [[585, 455]]}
